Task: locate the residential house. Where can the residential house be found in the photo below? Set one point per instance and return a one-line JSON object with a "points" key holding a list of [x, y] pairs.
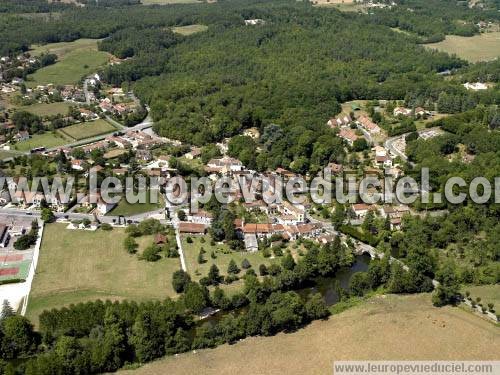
{"points": [[201, 217], [224, 165], [194, 153], [192, 228], [22, 136], [401, 111], [360, 210], [368, 125], [251, 243], [78, 164], [104, 207], [348, 135], [339, 121]]}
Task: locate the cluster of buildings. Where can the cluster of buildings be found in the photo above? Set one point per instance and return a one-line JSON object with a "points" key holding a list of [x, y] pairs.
{"points": [[418, 112]]}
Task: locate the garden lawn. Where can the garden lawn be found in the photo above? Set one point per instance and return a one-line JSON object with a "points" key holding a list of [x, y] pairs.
{"points": [[78, 266], [223, 257], [75, 60], [47, 140], [88, 129], [127, 209]]}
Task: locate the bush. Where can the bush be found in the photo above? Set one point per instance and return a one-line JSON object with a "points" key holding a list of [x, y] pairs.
{"points": [[130, 245], [263, 270], [106, 227], [245, 264], [151, 254], [189, 240]]}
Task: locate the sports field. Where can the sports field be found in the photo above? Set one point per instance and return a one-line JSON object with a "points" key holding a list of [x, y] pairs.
{"points": [[14, 269], [47, 140], [87, 129], [483, 47], [77, 266], [75, 60], [49, 109], [189, 29], [384, 328]]}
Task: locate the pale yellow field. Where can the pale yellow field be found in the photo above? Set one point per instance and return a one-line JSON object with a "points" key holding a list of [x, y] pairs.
{"points": [[483, 47], [384, 328]]}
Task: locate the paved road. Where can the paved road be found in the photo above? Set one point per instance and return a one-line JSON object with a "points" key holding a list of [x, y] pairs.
{"points": [[389, 144]]}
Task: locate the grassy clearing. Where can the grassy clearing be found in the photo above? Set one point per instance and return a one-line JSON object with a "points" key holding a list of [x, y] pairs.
{"points": [[127, 209], [383, 328], [223, 257], [481, 47], [49, 109], [114, 153], [76, 59], [78, 266], [88, 129], [190, 29], [487, 293], [47, 140]]}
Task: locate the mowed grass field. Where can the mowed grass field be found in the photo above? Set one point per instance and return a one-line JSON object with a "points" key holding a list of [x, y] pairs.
{"points": [[384, 328], [78, 266], [88, 129], [75, 60], [483, 47], [223, 257], [47, 140], [189, 29], [487, 293], [48, 109]]}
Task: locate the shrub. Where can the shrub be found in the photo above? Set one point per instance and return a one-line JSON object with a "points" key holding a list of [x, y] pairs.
{"points": [[151, 254], [245, 264], [189, 240], [106, 227]]}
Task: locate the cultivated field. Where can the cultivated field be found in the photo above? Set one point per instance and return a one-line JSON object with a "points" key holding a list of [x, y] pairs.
{"points": [[384, 328], [88, 129], [77, 266], [190, 29], [47, 140], [76, 59], [483, 47], [49, 109]]}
